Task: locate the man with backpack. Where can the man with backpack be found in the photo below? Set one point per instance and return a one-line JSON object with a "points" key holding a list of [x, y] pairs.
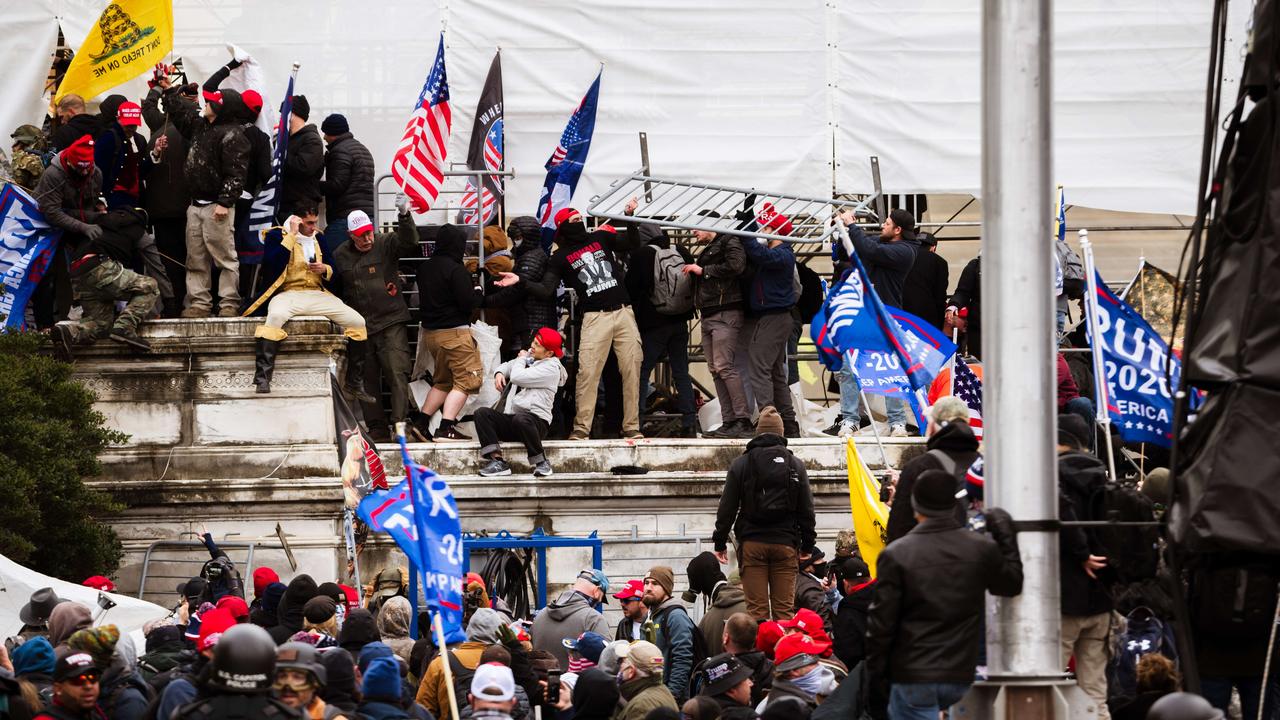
{"points": [[662, 299], [1070, 283], [952, 448], [1086, 603], [682, 646], [768, 504], [482, 631]]}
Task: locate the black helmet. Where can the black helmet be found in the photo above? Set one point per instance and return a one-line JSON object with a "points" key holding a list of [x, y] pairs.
{"points": [[301, 656], [244, 661], [1183, 706]]}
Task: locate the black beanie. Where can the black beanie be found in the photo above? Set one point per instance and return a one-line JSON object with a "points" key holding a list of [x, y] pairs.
{"points": [[704, 572], [301, 107], [335, 124], [319, 609], [1073, 431]]}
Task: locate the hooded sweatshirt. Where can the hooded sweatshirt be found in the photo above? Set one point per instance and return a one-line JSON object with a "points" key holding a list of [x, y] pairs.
{"points": [[568, 616], [266, 614], [675, 640], [301, 589], [340, 680], [533, 384], [393, 626], [358, 630], [65, 620], [797, 531], [447, 295], [595, 696], [726, 600], [956, 441], [482, 631]]}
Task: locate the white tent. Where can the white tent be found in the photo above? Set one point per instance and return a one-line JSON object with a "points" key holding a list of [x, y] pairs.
{"points": [[17, 583], [787, 95]]}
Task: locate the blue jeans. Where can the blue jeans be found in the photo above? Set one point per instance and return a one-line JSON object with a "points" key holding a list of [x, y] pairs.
{"points": [[850, 400], [1217, 690], [922, 701], [335, 233]]}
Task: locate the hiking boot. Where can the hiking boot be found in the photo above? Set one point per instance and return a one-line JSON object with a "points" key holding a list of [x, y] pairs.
{"points": [[195, 313], [542, 469], [898, 430], [576, 436], [496, 467], [129, 337], [633, 435], [740, 429], [353, 384], [451, 435], [60, 336], [228, 312], [418, 427]]}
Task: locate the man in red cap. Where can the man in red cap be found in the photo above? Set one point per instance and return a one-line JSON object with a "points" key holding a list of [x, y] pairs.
{"points": [[529, 383], [120, 152], [634, 611], [68, 193], [587, 263], [799, 676], [367, 268]]}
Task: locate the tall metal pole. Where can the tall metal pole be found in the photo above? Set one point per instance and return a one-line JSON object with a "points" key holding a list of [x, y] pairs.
{"points": [[1018, 338]]}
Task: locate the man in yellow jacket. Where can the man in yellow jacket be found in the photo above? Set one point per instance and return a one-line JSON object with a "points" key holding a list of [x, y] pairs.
{"points": [[299, 289], [482, 631]]}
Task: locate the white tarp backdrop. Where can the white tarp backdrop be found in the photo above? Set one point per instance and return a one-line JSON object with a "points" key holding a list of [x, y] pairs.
{"points": [[18, 582], [739, 92]]}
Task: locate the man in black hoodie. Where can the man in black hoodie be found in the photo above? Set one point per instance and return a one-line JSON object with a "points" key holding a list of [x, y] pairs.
{"points": [[768, 504], [216, 168], [588, 263], [850, 626], [447, 295], [952, 448], [300, 589], [1086, 604], [663, 332], [73, 122]]}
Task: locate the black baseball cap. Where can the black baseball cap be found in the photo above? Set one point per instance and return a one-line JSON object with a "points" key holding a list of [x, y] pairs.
{"points": [[904, 220], [75, 664]]}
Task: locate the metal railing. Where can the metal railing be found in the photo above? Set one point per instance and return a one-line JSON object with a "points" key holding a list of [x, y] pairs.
{"points": [[244, 566]]}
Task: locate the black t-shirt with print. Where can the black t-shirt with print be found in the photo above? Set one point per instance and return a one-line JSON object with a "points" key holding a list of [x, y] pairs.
{"points": [[593, 271]]}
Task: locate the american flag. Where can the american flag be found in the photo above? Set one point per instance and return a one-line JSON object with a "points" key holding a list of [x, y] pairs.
{"points": [[564, 167], [969, 389], [419, 162], [492, 163]]}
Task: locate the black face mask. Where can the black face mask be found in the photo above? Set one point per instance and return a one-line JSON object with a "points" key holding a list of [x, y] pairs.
{"points": [[820, 570]]}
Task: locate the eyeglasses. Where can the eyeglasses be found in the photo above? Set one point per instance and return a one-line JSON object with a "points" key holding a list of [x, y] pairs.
{"points": [[82, 680]]}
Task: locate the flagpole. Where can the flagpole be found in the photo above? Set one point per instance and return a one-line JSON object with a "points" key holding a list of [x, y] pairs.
{"points": [[438, 625], [884, 457], [1102, 415], [955, 340]]}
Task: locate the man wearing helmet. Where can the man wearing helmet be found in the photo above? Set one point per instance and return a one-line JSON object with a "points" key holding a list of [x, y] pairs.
{"points": [[298, 680], [239, 680]]}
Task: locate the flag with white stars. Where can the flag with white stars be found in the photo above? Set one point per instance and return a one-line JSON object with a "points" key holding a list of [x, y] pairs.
{"points": [[1139, 370], [564, 167], [969, 389], [485, 152], [419, 163]]}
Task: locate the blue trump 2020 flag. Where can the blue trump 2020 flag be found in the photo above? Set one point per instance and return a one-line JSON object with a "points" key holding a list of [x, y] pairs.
{"points": [[564, 167], [27, 243], [262, 214], [893, 350], [421, 515], [1139, 370]]}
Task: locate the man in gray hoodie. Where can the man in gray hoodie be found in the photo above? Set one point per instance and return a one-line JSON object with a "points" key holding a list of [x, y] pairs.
{"points": [[529, 382], [571, 614]]}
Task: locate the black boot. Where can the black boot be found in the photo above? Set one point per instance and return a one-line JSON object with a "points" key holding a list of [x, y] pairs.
{"points": [[265, 365], [353, 386]]}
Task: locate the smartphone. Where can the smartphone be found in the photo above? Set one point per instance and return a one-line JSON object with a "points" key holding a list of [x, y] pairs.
{"points": [[553, 687]]}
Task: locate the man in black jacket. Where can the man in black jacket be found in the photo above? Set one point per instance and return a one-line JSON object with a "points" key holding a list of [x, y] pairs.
{"points": [[850, 631], [740, 641], [924, 292], [923, 631], [216, 168], [811, 587], [368, 269], [662, 333], [1086, 604], [303, 164], [968, 298], [588, 263], [952, 448], [887, 261], [167, 197], [774, 524], [447, 295], [348, 180], [718, 298]]}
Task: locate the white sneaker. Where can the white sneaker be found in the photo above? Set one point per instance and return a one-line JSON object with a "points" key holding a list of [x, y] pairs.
{"points": [[847, 429], [898, 431]]}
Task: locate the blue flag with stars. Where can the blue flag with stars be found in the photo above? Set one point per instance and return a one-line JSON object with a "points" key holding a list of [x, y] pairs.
{"points": [[1139, 371], [564, 167]]}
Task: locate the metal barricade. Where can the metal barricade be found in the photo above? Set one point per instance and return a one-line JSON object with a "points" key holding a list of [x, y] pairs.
{"points": [[540, 543], [243, 562]]}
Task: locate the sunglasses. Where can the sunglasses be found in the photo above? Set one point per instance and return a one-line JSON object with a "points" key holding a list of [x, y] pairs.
{"points": [[82, 680]]}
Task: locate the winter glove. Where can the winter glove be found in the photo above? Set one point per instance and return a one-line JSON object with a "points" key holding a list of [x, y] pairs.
{"points": [[1000, 527], [507, 635], [748, 211], [402, 203], [93, 232]]}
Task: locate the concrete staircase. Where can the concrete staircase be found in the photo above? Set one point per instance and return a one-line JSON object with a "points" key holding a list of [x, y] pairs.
{"points": [[207, 451]]}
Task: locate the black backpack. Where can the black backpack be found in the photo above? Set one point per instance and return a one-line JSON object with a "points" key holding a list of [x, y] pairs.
{"points": [[1133, 552], [771, 490], [461, 679]]}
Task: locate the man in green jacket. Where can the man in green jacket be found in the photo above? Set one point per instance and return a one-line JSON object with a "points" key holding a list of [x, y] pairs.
{"points": [[368, 271], [640, 669]]}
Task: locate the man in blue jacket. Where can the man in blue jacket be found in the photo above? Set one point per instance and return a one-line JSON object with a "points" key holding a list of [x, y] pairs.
{"points": [[773, 292]]}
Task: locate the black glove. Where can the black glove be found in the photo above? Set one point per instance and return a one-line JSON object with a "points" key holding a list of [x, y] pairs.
{"points": [[748, 211], [1000, 527], [93, 232]]}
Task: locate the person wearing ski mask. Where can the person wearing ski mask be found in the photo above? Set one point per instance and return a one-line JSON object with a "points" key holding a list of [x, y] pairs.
{"points": [[299, 289], [799, 675]]}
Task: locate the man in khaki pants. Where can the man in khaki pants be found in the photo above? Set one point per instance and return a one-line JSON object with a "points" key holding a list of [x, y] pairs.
{"points": [[217, 163], [587, 263]]}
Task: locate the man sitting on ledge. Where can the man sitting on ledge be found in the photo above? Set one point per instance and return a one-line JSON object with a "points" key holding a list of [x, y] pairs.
{"points": [[300, 290], [529, 382]]}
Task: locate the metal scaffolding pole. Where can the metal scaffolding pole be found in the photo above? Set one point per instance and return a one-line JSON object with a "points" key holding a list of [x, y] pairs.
{"points": [[1024, 656]]}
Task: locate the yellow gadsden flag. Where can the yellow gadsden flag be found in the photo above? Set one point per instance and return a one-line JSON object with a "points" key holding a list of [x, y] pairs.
{"points": [[130, 37], [870, 516]]}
